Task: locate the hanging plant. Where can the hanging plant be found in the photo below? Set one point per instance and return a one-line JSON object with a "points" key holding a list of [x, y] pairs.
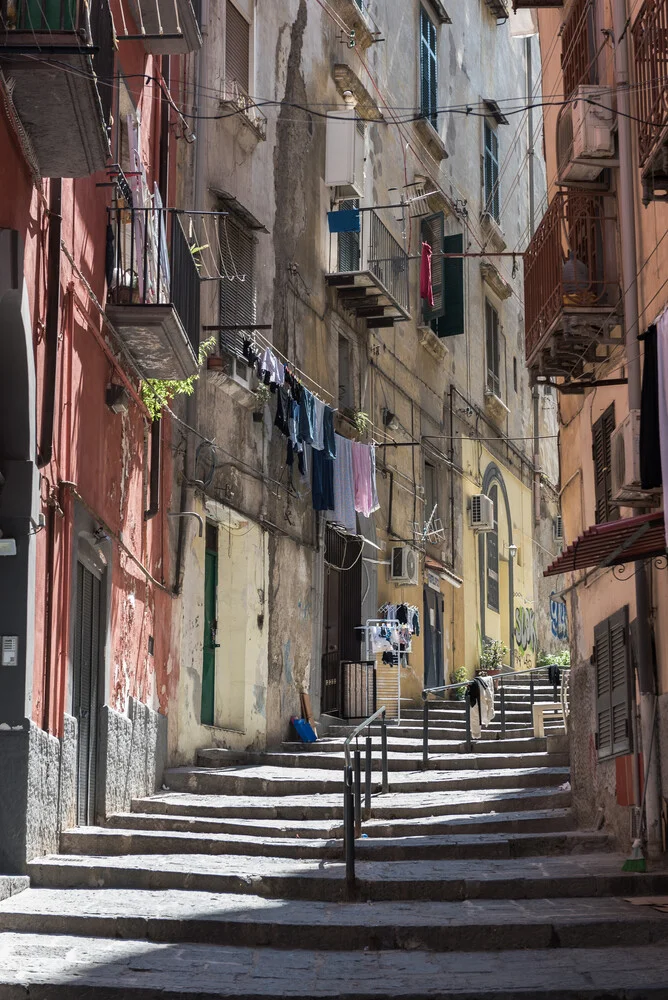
{"points": [[362, 421], [158, 393]]}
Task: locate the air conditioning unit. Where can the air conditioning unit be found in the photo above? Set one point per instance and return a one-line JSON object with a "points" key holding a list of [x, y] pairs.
{"points": [[345, 152], [481, 513], [558, 528], [404, 565], [625, 458], [585, 136]]}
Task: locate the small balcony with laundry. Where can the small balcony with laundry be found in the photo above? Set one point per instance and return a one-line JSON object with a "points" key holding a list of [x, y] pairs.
{"points": [[650, 42], [168, 27], [571, 288], [157, 259], [60, 57], [368, 267]]}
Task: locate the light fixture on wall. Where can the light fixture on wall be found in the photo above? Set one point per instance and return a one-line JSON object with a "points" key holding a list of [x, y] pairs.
{"points": [[390, 420], [117, 398], [512, 551]]}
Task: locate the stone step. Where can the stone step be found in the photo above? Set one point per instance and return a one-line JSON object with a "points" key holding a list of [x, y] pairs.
{"points": [[529, 821], [456, 846], [172, 916], [107, 968], [293, 878], [396, 760], [301, 781], [394, 805], [411, 732]]}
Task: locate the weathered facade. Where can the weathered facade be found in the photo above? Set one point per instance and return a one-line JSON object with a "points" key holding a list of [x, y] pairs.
{"points": [[582, 332]]}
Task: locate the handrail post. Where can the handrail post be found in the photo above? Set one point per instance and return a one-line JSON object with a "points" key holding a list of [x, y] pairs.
{"points": [[554, 686], [385, 786], [367, 779], [358, 792], [532, 696], [502, 699], [349, 825], [425, 733], [469, 743]]}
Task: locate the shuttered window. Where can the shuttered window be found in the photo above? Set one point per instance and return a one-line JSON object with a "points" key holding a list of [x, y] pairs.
{"points": [[602, 455], [431, 229], [613, 688], [237, 48], [428, 69], [348, 244], [446, 316], [237, 293], [493, 555], [86, 667], [493, 349], [491, 157]]}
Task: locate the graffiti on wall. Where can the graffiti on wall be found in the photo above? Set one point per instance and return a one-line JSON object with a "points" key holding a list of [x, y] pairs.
{"points": [[525, 630], [558, 617]]}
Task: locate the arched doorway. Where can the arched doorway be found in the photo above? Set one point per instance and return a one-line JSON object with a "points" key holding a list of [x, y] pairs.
{"points": [[496, 576]]}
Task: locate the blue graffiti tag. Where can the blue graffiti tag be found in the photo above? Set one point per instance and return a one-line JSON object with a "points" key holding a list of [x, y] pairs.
{"points": [[558, 617]]}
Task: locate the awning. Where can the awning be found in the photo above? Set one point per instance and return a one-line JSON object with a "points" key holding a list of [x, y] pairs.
{"points": [[614, 543], [443, 571]]}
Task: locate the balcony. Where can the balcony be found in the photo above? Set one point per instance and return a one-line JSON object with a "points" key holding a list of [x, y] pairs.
{"points": [[60, 56], [571, 288], [241, 107], [578, 48], [369, 270], [650, 44], [154, 291], [168, 27]]}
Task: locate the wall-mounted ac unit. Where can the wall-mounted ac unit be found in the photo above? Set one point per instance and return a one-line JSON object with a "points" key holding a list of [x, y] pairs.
{"points": [[585, 135], [481, 513], [558, 528], [625, 457], [404, 565], [345, 152]]}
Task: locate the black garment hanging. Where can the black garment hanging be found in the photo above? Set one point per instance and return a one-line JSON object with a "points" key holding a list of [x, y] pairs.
{"points": [[474, 693], [650, 452], [282, 404]]}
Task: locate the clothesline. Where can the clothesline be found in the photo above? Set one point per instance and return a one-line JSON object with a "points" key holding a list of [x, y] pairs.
{"points": [[267, 343]]}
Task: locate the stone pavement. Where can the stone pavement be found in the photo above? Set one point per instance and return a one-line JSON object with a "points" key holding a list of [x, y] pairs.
{"points": [[472, 882]]}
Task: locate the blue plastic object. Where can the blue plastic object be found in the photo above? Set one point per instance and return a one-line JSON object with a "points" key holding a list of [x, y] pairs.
{"points": [[344, 221], [304, 731]]}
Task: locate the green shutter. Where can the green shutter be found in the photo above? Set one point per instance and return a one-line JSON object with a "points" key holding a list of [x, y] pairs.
{"points": [[431, 230], [451, 322]]}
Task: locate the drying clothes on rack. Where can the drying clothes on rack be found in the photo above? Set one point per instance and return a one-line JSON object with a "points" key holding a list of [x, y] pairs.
{"points": [[407, 614]]}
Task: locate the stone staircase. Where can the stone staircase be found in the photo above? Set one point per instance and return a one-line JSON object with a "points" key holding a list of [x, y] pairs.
{"points": [[473, 883]]}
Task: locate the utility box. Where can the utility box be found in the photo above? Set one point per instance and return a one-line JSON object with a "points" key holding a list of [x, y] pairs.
{"points": [[345, 152]]}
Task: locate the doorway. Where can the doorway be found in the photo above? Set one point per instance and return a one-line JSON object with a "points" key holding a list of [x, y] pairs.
{"points": [[434, 670], [209, 644], [342, 612], [86, 678]]}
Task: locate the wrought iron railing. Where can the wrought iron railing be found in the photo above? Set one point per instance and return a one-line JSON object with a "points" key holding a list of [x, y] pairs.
{"points": [[570, 262], [352, 784], [240, 101], [578, 54], [373, 248], [152, 263], [650, 45]]}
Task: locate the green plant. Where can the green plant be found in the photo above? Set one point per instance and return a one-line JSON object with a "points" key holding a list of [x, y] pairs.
{"points": [[196, 251], [262, 396], [491, 655], [157, 393], [560, 659], [362, 421], [457, 675]]}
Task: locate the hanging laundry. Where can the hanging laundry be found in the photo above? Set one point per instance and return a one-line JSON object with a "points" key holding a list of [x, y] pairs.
{"points": [[362, 477], [650, 455], [269, 367], [426, 289], [662, 358], [322, 484], [282, 411], [374, 492], [306, 416], [318, 424], [344, 488], [329, 437]]}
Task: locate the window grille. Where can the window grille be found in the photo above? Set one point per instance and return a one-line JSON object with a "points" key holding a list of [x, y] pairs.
{"points": [[237, 294]]}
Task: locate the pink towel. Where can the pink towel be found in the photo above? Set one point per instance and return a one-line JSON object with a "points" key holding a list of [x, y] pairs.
{"points": [[426, 289], [364, 498]]}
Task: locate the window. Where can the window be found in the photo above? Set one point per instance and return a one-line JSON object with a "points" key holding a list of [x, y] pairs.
{"points": [[515, 374], [492, 541], [237, 49], [428, 69], [602, 455], [237, 294], [446, 316], [346, 394], [491, 172], [430, 491], [613, 691], [493, 350]]}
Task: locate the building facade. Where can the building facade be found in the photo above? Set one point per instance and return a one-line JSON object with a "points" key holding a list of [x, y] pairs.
{"points": [[595, 282]]}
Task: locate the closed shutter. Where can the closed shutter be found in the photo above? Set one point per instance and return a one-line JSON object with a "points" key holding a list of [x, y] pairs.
{"points": [[237, 289], [451, 323], [613, 689], [602, 455], [428, 68], [431, 230], [237, 48], [85, 697], [492, 202], [348, 244]]}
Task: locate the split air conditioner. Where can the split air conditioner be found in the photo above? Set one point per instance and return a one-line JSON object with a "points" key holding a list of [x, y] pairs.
{"points": [[481, 513], [345, 152], [404, 565], [585, 135]]}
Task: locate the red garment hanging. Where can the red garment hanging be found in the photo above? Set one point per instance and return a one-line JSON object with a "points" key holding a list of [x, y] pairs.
{"points": [[426, 290]]}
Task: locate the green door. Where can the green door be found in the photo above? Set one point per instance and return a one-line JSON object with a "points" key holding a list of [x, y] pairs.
{"points": [[209, 645]]}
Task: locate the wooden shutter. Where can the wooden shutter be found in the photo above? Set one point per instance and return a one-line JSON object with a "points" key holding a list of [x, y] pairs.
{"points": [[451, 323], [237, 47], [428, 68], [602, 456], [431, 230], [348, 244], [613, 709]]}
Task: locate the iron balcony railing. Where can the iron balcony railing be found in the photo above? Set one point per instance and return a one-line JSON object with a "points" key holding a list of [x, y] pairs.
{"points": [[374, 249], [650, 45], [571, 262], [152, 263]]}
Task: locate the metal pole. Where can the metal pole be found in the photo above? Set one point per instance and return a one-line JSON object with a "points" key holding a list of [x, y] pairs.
{"points": [[425, 733], [469, 744], [502, 700], [626, 204], [358, 792], [532, 696], [367, 778], [349, 825], [385, 786]]}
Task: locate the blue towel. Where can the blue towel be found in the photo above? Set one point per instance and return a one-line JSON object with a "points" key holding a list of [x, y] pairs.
{"points": [[346, 221]]}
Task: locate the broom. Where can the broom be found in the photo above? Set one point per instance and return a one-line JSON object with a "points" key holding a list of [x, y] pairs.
{"points": [[637, 863]]}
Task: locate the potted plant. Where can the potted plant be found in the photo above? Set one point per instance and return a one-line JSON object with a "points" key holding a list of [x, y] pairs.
{"points": [[491, 657], [455, 677], [262, 394]]}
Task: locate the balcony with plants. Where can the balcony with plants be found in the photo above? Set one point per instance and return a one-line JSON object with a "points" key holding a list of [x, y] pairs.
{"points": [[60, 57]]}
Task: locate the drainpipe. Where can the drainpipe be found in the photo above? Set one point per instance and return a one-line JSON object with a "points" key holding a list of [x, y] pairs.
{"points": [[45, 449], [626, 204]]}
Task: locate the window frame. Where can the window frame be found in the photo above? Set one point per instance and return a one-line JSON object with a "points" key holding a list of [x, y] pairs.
{"points": [[492, 375], [239, 370], [492, 575], [428, 64], [246, 10], [491, 167]]}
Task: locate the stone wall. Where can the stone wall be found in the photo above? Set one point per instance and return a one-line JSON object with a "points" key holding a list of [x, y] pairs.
{"points": [[133, 751]]}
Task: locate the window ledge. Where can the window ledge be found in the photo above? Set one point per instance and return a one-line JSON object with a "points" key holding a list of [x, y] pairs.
{"points": [[356, 19], [432, 344], [431, 138], [493, 232], [491, 274], [495, 406]]}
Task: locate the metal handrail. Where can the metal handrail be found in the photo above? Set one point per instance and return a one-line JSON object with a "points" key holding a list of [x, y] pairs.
{"points": [[505, 673], [352, 786]]}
